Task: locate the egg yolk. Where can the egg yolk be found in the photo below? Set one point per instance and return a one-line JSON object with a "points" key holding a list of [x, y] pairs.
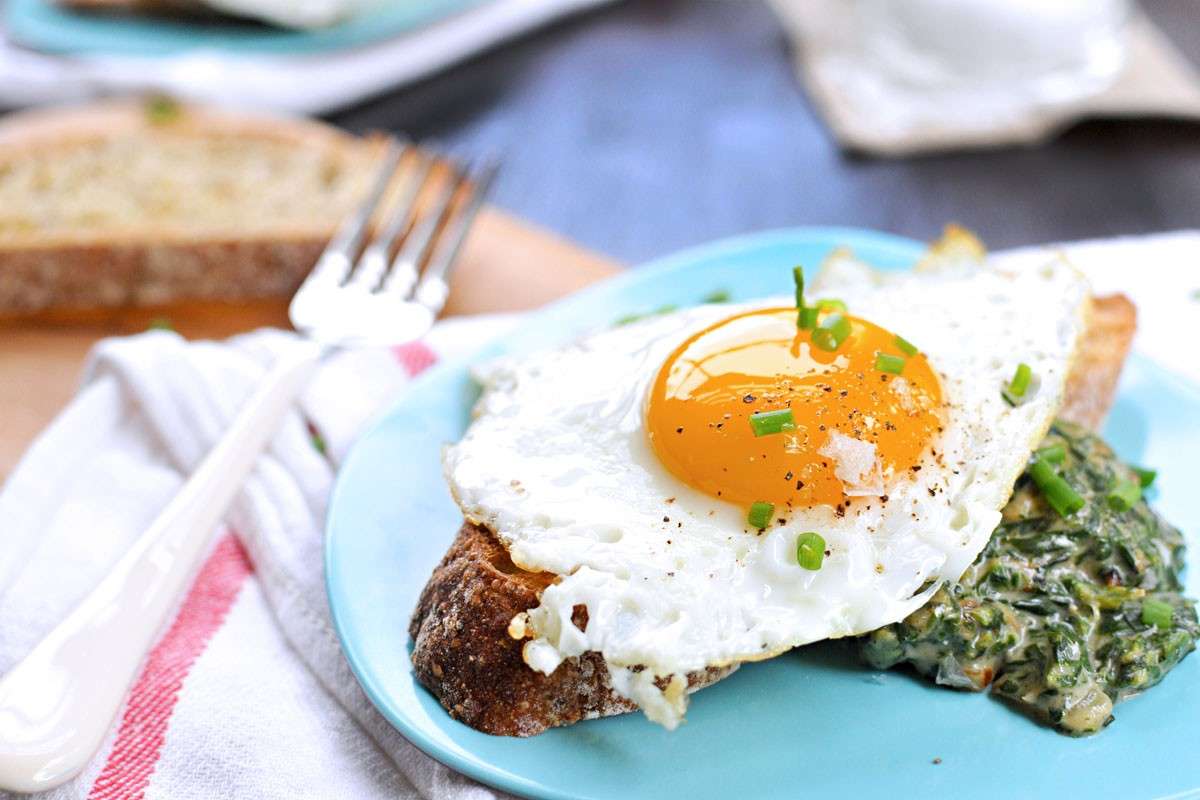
{"points": [[698, 413]]}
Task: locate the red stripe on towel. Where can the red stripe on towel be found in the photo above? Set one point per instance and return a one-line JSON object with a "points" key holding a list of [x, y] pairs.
{"points": [[415, 357], [143, 729]]}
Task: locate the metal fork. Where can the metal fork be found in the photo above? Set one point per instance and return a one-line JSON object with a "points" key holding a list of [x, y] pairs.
{"points": [[58, 703]]}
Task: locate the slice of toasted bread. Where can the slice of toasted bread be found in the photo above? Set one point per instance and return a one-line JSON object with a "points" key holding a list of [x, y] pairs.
{"points": [[139, 203], [462, 650], [464, 655]]}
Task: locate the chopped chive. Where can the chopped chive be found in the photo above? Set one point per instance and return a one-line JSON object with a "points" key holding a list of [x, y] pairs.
{"points": [[908, 348], [766, 423], [1021, 379], [717, 296], [1157, 613], [808, 318], [1124, 494], [161, 109], [831, 304], [1014, 393], [760, 514], [831, 332], [1054, 453], [641, 315], [160, 324], [810, 550], [1058, 493], [889, 363], [1145, 476], [318, 442], [802, 316]]}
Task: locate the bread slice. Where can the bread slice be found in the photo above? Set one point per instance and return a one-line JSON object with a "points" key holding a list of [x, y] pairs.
{"points": [[147, 202], [462, 651]]}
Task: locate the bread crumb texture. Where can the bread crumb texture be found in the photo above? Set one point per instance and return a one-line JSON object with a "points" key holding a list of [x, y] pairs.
{"points": [[110, 205]]}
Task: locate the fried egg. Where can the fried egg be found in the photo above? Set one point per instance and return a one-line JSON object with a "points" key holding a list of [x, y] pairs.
{"points": [[628, 464]]}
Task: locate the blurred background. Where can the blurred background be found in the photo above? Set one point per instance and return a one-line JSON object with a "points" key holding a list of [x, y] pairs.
{"points": [[638, 127], [654, 124]]}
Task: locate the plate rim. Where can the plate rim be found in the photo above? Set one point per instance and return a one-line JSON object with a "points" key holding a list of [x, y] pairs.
{"points": [[466, 763], [116, 36]]}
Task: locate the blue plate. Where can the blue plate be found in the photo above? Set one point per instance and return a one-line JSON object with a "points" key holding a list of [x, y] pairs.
{"points": [[812, 722], [42, 25]]}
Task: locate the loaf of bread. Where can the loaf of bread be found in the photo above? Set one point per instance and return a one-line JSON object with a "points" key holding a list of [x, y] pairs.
{"points": [[462, 651], [149, 202]]}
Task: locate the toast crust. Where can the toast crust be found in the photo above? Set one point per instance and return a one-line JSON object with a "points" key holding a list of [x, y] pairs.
{"points": [[162, 261], [1092, 384], [462, 651]]}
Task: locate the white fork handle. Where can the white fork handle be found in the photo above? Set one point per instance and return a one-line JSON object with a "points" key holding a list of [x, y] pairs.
{"points": [[57, 704]]}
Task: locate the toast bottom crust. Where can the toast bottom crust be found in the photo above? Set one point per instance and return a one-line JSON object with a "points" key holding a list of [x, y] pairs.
{"points": [[463, 654]]}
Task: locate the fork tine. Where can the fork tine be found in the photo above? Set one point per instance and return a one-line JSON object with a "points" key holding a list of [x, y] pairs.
{"points": [[373, 263], [434, 287], [405, 267], [336, 261]]}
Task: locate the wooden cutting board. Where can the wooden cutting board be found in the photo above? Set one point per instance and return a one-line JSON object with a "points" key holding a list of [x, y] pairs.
{"points": [[506, 265]]}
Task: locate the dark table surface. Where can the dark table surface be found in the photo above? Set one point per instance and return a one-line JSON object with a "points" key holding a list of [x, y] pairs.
{"points": [[648, 126]]}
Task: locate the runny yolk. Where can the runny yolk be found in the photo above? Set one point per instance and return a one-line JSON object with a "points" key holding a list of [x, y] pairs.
{"points": [[698, 415]]}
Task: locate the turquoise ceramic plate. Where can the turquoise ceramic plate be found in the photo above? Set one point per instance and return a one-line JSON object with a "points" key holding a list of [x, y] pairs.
{"points": [[44, 26], [814, 722]]}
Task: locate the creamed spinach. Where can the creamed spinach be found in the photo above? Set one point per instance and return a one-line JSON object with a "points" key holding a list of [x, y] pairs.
{"points": [[1061, 616]]}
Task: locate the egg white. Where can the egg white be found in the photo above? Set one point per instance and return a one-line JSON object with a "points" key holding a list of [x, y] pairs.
{"points": [[557, 463]]}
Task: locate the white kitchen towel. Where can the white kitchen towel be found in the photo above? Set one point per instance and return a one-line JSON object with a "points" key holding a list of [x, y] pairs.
{"points": [[870, 108], [308, 84], [246, 694]]}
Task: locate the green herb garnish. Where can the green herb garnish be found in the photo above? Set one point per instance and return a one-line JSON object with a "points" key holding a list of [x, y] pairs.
{"points": [[801, 317], [1053, 453], [810, 550], [161, 109], [831, 304], [1145, 476], [831, 332], [638, 316], [760, 514], [908, 348], [1124, 495], [1058, 493], [1158, 614], [1015, 392], [889, 363], [766, 423]]}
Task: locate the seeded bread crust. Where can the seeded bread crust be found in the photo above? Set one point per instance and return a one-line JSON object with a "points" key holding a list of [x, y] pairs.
{"points": [[462, 651]]}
